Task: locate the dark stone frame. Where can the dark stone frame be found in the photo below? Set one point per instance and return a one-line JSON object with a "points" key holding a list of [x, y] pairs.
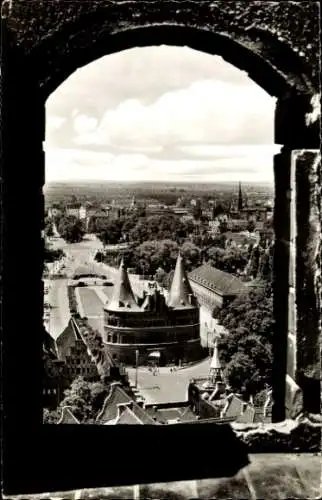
{"points": [[278, 46]]}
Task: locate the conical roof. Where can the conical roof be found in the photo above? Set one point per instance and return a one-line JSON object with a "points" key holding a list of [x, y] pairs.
{"points": [[123, 297], [215, 363], [181, 295]]}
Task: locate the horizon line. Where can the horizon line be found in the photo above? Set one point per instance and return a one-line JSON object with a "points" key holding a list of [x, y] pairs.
{"points": [[125, 181]]}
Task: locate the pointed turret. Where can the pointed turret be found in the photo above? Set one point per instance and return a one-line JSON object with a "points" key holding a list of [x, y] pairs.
{"points": [[215, 372], [240, 197], [133, 202], [181, 295], [123, 297]]}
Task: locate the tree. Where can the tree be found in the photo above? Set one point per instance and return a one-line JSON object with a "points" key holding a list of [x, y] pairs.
{"points": [[85, 398], [49, 231], [197, 210], [51, 255], [51, 416], [112, 232], [247, 350], [223, 226], [230, 260], [251, 226], [71, 229]]}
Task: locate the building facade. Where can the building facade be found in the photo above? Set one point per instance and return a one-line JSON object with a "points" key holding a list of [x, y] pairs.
{"points": [[135, 330], [72, 350], [214, 288]]}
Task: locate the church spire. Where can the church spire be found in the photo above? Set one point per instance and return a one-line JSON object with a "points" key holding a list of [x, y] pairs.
{"points": [[123, 297], [240, 197], [181, 295]]}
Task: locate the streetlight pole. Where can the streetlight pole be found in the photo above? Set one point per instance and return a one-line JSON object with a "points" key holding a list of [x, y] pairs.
{"points": [[136, 367]]}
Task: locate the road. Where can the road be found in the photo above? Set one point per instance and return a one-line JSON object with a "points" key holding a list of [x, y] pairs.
{"points": [[168, 386]]}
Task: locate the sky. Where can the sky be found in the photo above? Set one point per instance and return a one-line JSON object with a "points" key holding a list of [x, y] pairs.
{"points": [[160, 114]]}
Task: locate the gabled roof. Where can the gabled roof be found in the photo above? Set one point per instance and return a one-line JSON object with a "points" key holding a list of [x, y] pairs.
{"points": [[131, 413], [181, 295], [49, 344], [141, 414], [116, 403], [67, 416], [66, 340], [123, 296], [116, 396], [216, 280], [127, 417]]}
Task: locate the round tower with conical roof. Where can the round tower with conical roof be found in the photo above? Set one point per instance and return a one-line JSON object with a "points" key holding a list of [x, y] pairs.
{"points": [[152, 323]]}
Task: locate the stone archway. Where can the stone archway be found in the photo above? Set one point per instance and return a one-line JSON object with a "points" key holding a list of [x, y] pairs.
{"points": [[277, 46]]}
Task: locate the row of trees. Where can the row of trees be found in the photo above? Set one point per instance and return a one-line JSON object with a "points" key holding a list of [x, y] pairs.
{"points": [[139, 229], [246, 351], [158, 257]]}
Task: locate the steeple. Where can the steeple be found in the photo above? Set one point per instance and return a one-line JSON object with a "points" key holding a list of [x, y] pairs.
{"points": [[215, 372], [181, 295], [123, 297], [240, 197], [133, 202]]}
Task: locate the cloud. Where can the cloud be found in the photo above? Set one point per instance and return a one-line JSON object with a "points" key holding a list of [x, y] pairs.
{"points": [[159, 112], [206, 111], [67, 164]]}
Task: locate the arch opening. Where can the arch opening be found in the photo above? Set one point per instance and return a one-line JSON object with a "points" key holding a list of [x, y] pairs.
{"points": [[244, 53]]}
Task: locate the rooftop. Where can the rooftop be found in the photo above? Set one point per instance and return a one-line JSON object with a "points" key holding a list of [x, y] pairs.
{"points": [[123, 297], [216, 280], [116, 396], [181, 295]]}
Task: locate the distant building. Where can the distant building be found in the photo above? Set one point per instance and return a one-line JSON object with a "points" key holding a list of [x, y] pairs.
{"points": [[157, 209], [239, 240], [214, 288], [97, 215], [237, 225], [54, 211], [82, 213], [180, 211], [72, 210], [214, 227], [154, 327], [259, 213]]}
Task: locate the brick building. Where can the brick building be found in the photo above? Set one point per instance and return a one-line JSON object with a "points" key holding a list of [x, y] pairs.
{"points": [[155, 324]]}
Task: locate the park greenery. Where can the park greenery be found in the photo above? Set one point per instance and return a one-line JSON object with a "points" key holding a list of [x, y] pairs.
{"points": [[246, 352], [71, 229]]}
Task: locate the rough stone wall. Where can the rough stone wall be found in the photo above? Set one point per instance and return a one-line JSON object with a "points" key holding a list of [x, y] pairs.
{"points": [[43, 43], [284, 35]]}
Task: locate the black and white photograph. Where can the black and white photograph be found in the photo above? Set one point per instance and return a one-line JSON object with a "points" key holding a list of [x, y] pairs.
{"points": [[175, 229], [159, 240]]}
